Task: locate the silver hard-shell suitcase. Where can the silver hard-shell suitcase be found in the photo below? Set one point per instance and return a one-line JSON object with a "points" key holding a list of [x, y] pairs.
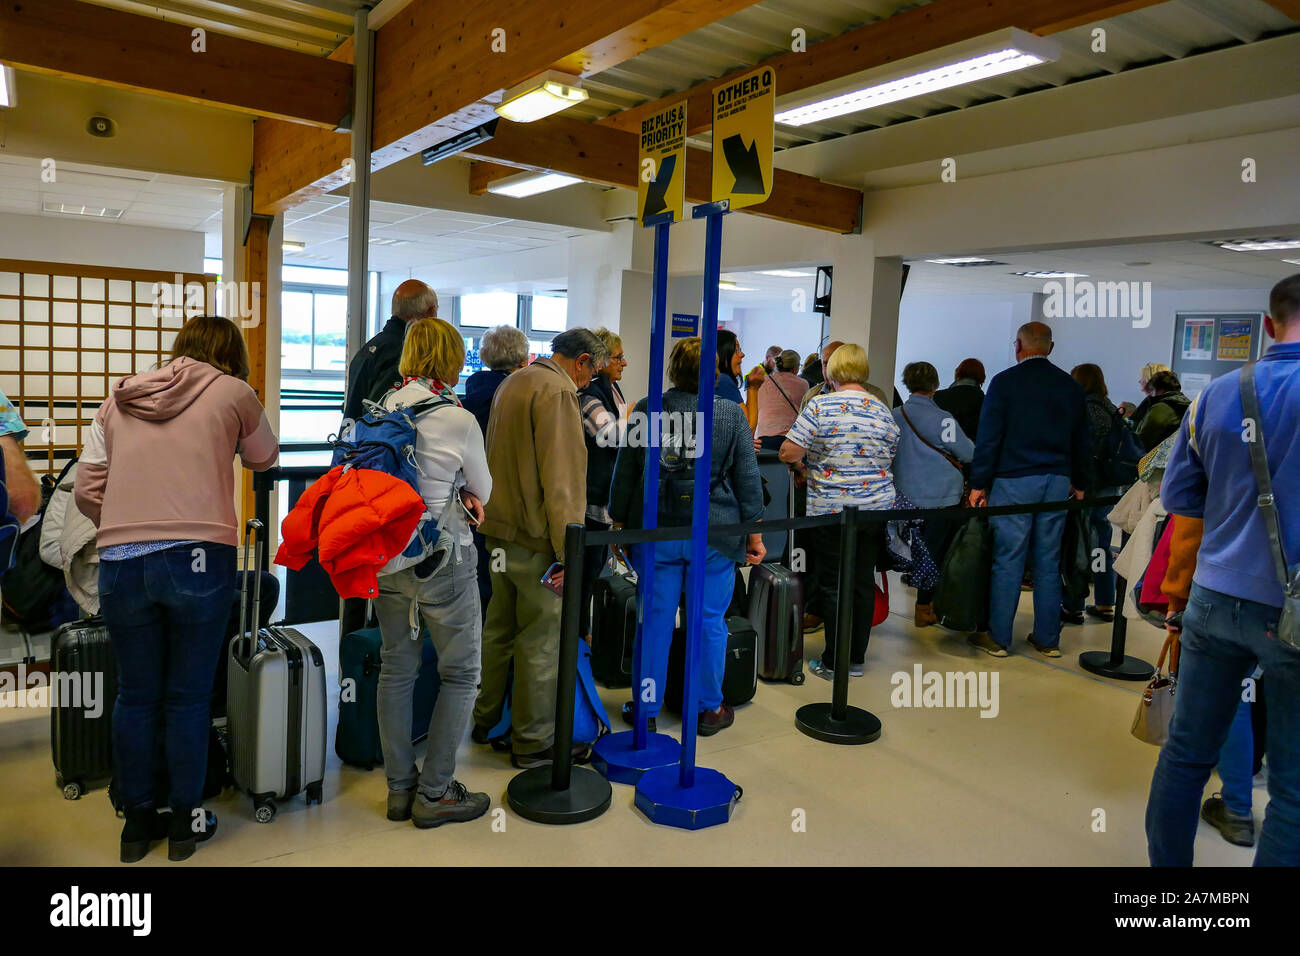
{"points": [[275, 706]]}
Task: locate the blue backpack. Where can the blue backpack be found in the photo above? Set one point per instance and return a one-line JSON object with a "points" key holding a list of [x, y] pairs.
{"points": [[590, 719]]}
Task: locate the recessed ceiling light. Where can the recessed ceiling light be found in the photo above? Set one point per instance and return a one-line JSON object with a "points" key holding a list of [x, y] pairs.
{"points": [[541, 96], [67, 209], [966, 261], [726, 285], [787, 273], [1052, 275], [1294, 262], [380, 241], [1256, 245], [531, 185], [292, 246]]}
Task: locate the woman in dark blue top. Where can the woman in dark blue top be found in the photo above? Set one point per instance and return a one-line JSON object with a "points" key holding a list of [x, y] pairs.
{"points": [[730, 358]]}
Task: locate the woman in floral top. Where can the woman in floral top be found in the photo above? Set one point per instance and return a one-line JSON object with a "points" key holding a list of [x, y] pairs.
{"points": [[847, 439]]}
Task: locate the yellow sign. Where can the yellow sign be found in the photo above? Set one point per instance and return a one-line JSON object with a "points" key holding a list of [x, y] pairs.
{"points": [[661, 164], [742, 138]]}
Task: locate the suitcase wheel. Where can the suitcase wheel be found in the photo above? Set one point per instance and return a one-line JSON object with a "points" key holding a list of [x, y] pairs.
{"points": [[71, 791], [315, 793], [263, 811], [797, 678]]}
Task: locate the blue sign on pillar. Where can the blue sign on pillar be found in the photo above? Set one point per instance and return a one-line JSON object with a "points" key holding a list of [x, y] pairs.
{"points": [[685, 326]]}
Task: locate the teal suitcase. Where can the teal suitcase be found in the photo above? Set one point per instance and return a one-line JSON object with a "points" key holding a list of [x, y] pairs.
{"points": [[360, 659]]}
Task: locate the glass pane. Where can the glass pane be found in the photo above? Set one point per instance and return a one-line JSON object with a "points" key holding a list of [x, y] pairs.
{"points": [[295, 330], [310, 276], [550, 313], [331, 333], [484, 309]]}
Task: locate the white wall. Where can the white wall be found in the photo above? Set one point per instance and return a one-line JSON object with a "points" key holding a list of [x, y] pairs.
{"points": [[945, 329], [89, 243], [760, 328]]}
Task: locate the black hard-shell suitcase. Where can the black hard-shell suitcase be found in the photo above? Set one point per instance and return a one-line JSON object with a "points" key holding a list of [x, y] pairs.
{"points": [[613, 629], [739, 675], [776, 611], [82, 664]]}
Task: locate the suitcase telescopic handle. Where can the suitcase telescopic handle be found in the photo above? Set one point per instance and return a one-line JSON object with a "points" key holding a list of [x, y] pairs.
{"points": [[251, 530]]}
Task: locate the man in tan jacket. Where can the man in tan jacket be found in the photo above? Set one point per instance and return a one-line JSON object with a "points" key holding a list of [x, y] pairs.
{"points": [[538, 459]]}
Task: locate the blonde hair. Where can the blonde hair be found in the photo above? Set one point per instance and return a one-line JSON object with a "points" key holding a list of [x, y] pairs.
{"points": [[848, 366], [433, 349], [1149, 371], [684, 365], [215, 340], [610, 340]]}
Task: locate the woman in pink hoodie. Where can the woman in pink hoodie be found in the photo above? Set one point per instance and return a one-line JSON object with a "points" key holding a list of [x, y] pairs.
{"points": [[155, 477]]}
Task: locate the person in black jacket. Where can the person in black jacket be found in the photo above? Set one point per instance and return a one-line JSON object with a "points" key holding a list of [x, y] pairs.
{"points": [[1033, 448], [373, 370], [603, 413], [1165, 413], [964, 398]]}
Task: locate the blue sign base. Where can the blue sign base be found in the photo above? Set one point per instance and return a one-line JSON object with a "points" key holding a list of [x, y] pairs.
{"points": [[660, 796], [620, 762]]}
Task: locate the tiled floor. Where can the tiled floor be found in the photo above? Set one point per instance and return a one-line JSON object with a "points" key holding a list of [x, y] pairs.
{"points": [[940, 787]]}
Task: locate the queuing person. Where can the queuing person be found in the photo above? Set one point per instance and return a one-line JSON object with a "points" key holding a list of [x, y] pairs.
{"points": [[1231, 624], [848, 440], [812, 370], [451, 461], [964, 398], [754, 381], [502, 350], [23, 490], [735, 496], [1033, 447], [932, 448], [778, 401], [819, 387], [603, 411], [1149, 371], [538, 459], [1102, 417], [373, 370], [730, 359], [812, 618], [1165, 412], [155, 477]]}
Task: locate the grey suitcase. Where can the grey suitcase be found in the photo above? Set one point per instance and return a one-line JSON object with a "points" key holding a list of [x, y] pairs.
{"points": [[275, 707], [776, 611]]}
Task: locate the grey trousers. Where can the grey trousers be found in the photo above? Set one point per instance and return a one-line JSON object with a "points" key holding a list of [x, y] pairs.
{"points": [[448, 603]]}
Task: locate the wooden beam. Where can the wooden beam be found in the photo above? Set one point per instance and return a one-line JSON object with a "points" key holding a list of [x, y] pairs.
{"points": [[106, 46], [257, 260], [1290, 8], [914, 31], [608, 156], [437, 74]]}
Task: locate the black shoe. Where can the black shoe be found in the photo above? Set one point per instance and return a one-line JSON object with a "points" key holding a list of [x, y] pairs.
{"points": [[711, 721], [480, 734], [627, 718], [1100, 613], [1237, 830], [186, 831], [1071, 617], [143, 828]]}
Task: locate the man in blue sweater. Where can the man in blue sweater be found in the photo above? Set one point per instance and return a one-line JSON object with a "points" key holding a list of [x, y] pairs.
{"points": [[1033, 447], [1231, 621]]}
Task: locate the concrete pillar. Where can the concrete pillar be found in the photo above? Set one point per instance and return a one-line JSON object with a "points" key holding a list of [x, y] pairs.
{"points": [[882, 341]]}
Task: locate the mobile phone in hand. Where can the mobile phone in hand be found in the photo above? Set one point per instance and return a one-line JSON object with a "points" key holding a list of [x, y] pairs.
{"points": [[548, 579], [465, 510]]}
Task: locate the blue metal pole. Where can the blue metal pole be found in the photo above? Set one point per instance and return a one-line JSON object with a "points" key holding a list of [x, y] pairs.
{"points": [[650, 497], [700, 503]]}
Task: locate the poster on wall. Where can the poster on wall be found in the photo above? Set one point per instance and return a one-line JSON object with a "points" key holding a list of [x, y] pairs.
{"points": [[1194, 383], [1198, 340], [1234, 340]]}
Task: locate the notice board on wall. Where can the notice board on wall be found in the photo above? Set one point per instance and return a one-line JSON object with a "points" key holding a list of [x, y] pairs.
{"points": [[1210, 344]]}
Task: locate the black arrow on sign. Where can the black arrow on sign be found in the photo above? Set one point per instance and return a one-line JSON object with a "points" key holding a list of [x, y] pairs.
{"points": [[654, 196], [744, 165]]}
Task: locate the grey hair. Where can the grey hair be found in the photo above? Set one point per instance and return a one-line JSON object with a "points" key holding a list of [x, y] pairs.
{"points": [[503, 348], [572, 343], [787, 361], [421, 305]]}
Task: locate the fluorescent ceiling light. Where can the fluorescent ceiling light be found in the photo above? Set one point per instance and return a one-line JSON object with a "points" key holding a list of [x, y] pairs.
{"points": [[459, 143], [383, 241], [8, 93], [1294, 262], [68, 209], [541, 96], [290, 245], [1256, 245], [969, 62], [1052, 275], [726, 285], [532, 184], [966, 261], [787, 273]]}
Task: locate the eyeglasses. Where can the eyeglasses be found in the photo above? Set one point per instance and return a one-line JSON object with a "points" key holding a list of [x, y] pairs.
{"points": [[618, 358]]}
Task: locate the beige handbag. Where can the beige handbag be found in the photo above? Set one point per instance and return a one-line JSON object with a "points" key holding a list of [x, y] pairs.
{"points": [[1156, 708]]}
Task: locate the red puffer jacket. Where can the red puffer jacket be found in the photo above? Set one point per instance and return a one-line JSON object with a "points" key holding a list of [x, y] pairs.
{"points": [[356, 520]]}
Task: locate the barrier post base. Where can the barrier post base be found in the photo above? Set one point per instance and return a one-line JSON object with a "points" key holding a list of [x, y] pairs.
{"points": [[661, 797], [858, 726], [531, 795], [619, 761], [1128, 668]]}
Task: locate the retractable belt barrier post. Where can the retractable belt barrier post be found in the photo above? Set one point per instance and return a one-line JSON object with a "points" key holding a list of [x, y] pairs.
{"points": [[1115, 663], [563, 793]]}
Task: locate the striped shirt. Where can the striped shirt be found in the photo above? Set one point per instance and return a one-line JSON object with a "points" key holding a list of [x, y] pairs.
{"points": [[851, 439]]}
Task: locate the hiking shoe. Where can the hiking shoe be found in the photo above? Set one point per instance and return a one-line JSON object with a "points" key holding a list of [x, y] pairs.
{"points": [[1043, 649], [399, 804], [816, 666], [711, 721], [479, 734], [986, 644], [1101, 613], [143, 828], [1071, 617], [456, 805], [855, 670], [811, 622], [182, 835], [1237, 829], [627, 718], [924, 615], [544, 758]]}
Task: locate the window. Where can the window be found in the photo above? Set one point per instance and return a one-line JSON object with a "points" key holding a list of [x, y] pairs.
{"points": [[549, 313], [313, 331], [483, 310]]}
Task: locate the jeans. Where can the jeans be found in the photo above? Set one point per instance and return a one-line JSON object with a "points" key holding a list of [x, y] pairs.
{"points": [[1011, 541], [871, 540], [166, 614], [1223, 640], [523, 625], [672, 566], [1236, 763], [1103, 582], [448, 604]]}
